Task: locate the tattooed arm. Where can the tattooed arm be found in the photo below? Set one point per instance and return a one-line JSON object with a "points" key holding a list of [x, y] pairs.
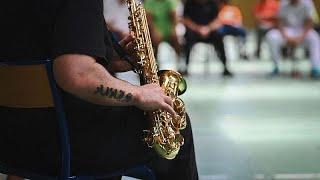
{"points": [[81, 76]]}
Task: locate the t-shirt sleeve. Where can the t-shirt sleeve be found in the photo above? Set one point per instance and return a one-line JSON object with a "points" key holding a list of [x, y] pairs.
{"points": [[80, 29]]}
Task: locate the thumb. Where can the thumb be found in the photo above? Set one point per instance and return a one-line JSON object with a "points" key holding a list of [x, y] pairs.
{"points": [[126, 40]]}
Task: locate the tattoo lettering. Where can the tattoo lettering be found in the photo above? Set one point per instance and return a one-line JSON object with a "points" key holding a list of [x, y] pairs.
{"points": [[114, 93], [111, 93], [99, 90], [128, 97], [121, 94]]}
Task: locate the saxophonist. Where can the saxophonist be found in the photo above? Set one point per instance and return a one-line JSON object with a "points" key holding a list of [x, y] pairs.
{"points": [[105, 114]]}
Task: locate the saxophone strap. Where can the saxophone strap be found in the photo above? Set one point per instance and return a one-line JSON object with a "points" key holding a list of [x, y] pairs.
{"points": [[119, 50]]}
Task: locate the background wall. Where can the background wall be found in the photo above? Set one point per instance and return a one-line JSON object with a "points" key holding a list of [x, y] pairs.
{"points": [[246, 7], [317, 3]]}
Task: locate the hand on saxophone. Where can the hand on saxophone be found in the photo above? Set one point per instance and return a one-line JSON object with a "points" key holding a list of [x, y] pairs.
{"points": [[151, 97], [128, 44]]}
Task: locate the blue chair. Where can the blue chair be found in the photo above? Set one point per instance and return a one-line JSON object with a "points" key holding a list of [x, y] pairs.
{"points": [[141, 172]]}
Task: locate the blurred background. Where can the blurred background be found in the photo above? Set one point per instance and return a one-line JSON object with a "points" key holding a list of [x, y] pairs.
{"points": [[253, 74], [257, 116]]}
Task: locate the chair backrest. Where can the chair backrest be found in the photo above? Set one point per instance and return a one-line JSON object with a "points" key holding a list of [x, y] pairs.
{"points": [[25, 87], [57, 102]]}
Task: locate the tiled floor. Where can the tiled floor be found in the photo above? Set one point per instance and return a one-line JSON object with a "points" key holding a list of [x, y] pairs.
{"points": [[253, 126]]}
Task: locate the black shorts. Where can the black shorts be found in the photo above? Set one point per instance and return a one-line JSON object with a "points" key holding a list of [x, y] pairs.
{"points": [[102, 140]]}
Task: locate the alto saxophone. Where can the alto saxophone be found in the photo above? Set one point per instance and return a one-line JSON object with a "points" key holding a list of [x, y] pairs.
{"points": [[164, 133]]}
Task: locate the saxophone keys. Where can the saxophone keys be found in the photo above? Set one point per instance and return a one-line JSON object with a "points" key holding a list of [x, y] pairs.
{"points": [[147, 138], [179, 139], [175, 122], [178, 105], [183, 123]]}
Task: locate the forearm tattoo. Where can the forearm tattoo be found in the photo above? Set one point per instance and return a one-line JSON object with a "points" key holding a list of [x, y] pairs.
{"points": [[114, 93]]}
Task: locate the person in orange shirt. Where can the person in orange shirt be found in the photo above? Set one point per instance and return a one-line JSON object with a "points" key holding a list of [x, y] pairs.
{"points": [[230, 19], [229, 14], [265, 12]]}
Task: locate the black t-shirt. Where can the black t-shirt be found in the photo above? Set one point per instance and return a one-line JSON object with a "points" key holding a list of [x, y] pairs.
{"points": [[201, 12], [46, 29], [42, 29]]}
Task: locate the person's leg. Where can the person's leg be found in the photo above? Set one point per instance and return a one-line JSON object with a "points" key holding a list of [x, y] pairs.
{"points": [[242, 48], [217, 41], [187, 49], [242, 34], [275, 42], [239, 33], [173, 41], [259, 41], [190, 39], [232, 30], [261, 32], [11, 177], [312, 42]]}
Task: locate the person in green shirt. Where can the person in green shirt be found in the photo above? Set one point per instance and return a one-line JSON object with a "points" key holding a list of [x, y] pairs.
{"points": [[162, 20]]}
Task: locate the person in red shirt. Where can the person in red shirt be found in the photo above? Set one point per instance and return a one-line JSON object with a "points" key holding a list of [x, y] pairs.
{"points": [[265, 12], [229, 14]]}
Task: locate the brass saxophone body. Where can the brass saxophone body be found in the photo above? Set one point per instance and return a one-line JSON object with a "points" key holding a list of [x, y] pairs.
{"points": [[164, 133]]}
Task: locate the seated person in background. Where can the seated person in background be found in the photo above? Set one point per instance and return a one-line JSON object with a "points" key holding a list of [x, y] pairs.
{"points": [[116, 14], [294, 29], [231, 24], [265, 12], [201, 20], [315, 14], [162, 21]]}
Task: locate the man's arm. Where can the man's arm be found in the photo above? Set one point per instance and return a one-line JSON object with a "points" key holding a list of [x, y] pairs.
{"points": [[215, 24], [174, 21], [190, 24], [307, 27], [280, 26], [155, 34], [83, 77], [301, 37]]}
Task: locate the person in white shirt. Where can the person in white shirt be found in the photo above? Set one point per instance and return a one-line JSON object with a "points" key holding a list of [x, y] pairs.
{"points": [[294, 29], [310, 4]]}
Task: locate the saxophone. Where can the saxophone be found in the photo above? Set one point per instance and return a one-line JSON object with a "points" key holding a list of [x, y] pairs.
{"points": [[164, 133]]}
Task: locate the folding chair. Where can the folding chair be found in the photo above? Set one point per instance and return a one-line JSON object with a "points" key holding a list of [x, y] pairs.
{"points": [[141, 171]]}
